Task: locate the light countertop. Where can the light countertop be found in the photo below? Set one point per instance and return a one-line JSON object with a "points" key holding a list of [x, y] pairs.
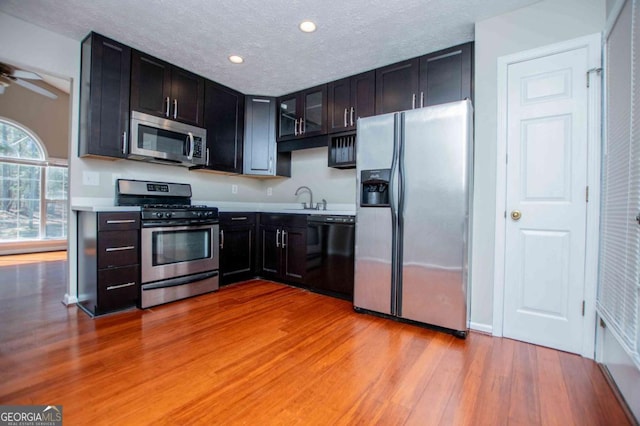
{"points": [[107, 205]]}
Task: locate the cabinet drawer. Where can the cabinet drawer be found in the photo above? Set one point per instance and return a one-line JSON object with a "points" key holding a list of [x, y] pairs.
{"points": [[118, 249], [242, 218], [118, 288], [283, 219], [118, 221]]}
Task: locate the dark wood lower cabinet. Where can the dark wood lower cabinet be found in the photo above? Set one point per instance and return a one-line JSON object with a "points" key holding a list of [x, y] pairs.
{"points": [[108, 261], [283, 247], [237, 247]]}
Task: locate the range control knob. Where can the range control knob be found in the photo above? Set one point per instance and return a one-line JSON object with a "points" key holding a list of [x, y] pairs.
{"points": [[199, 214], [159, 214], [168, 215]]}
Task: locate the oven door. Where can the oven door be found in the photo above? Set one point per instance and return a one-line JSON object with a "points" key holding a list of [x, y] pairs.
{"points": [[176, 251]]}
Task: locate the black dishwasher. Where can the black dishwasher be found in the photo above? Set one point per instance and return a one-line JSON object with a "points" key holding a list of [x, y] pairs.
{"points": [[330, 254]]}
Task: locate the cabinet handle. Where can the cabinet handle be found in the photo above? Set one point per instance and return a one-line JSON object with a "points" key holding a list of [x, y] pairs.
{"points": [[345, 117], [115, 287], [239, 218], [278, 238], [353, 110], [421, 99], [221, 239], [295, 128], [301, 126], [284, 235], [110, 249], [175, 109], [124, 142], [413, 101], [168, 101], [207, 156], [112, 222], [270, 164]]}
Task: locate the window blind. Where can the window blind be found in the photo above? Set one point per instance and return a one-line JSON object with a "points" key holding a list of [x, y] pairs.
{"points": [[619, 281]]}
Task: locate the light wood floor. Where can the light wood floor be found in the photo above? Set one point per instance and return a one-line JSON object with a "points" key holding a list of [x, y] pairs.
{"points": [[261, 353]]}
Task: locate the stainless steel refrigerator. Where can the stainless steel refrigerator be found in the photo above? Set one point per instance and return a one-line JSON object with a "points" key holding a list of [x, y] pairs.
{"points": [[414, 171]]}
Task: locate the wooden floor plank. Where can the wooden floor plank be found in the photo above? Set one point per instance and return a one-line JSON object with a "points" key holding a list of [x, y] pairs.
{"points": [[265, 353]]}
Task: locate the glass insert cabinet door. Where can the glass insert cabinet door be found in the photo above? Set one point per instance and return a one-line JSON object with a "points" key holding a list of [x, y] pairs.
{"points": [[313, 112], [288, 118]]}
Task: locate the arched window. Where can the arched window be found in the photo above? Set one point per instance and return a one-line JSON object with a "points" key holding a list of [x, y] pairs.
{"points": [[33, 192]]}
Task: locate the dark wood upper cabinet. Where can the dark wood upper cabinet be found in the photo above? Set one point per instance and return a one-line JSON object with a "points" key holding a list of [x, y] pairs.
{"points": [[187, 92], [104, 97], [435, 78], [446, 76], [164, 90], [350, 98], [224, 121], [303, 114], [397, 86]]}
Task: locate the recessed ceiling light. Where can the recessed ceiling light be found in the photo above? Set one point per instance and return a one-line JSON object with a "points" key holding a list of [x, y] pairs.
{"points": [[307, 26], [236, 59]]}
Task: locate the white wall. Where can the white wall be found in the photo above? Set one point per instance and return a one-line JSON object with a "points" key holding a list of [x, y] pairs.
{"points": [[309, 167], [41, 50], [543, 23]]}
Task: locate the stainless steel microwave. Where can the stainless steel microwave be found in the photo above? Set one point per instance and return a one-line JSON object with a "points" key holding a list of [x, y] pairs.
{"points": [[165, 141]]}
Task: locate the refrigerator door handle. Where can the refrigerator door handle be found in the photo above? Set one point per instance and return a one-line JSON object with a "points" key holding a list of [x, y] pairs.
{"points": [[394, 203], [400, 221]]}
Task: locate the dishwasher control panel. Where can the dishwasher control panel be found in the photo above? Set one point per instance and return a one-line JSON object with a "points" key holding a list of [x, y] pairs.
{"points": [[331, 219]]}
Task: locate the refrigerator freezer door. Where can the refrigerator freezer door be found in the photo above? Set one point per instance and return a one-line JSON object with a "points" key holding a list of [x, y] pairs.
{"points": [[435, 167], [374, 225]]}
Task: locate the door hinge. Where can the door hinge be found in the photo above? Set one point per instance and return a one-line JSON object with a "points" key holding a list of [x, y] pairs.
{"points": [[587, 194], [598, 70], [583, 306]]}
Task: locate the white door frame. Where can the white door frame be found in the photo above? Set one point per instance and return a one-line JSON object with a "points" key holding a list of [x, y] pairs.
{"points": [[593, 45]]}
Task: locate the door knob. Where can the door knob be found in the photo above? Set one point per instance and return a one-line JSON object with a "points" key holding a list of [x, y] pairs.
{"points": [[516, 215]]}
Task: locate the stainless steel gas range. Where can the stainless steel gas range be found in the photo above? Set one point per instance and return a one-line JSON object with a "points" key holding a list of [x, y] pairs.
{"points": [[179, 242]]}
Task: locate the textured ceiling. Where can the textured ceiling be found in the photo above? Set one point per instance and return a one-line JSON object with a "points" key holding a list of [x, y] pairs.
{"points": [[352, 36]]}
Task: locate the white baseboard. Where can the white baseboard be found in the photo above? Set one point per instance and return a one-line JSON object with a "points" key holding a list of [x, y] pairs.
{"points": [[483, 328], [69, 300]]}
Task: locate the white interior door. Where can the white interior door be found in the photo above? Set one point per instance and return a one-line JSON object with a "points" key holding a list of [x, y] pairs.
{"points": [[546, 185]]}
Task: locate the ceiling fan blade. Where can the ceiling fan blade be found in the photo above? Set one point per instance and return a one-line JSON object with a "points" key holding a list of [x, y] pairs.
{"points": [[26, 74], [35, 88]]}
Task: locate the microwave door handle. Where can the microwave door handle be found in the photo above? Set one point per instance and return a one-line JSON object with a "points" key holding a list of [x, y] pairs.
{"points": [[191, 146]]}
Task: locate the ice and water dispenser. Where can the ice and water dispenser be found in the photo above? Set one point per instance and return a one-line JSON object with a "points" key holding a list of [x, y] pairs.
{"points": [[375, 188]]}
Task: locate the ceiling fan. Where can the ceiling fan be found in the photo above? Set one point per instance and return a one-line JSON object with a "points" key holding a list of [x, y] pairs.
{"points": [[9, 75]]}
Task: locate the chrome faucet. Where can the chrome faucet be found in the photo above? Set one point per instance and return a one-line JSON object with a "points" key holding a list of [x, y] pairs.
{"points": [[304, 205]]}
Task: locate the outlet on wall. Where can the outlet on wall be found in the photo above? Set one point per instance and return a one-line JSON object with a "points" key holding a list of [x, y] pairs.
{"points": [[234, 189], [269, 191], [90, 178]]}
